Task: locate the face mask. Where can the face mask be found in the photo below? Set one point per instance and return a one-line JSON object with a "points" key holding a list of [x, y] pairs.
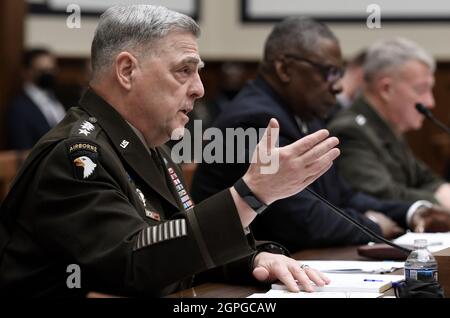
{"points": [[230, 93], [45, 80]]}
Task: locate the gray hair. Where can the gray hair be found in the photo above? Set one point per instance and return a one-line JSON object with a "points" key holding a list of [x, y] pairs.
{"points": [[390, 55], [296, 32], [134, 27]]}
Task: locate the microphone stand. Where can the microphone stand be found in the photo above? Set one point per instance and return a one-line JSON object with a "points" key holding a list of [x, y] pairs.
{"points": [[428, 114], [362, 227]]}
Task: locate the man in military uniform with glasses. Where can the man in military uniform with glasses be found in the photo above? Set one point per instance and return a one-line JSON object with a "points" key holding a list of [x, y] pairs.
{"points": [[298, 80]]}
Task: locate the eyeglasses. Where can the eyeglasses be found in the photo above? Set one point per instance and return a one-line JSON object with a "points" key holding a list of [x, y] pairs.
{"points": [[330, 73]]}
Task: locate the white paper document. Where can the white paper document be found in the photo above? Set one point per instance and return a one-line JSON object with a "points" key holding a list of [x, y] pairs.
{"points": [[279, 293], [367, 283], [436, 241], [348, 267]]}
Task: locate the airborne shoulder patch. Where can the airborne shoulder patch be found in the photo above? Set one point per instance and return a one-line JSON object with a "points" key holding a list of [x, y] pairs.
{"points": [[83, 156]]}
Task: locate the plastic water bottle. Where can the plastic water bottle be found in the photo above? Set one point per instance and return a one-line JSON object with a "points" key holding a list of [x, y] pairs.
{"points": [[421, 264]]}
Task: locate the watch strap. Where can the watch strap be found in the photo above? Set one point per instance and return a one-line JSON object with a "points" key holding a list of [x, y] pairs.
{"points": [[247, 195]]}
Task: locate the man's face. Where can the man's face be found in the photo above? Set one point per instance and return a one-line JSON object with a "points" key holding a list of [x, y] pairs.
{"points": [[313, 87], [165, 87], [412, 84]]}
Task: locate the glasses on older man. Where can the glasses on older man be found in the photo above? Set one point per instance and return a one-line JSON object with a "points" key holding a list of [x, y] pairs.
{"points": [[330, 73]]}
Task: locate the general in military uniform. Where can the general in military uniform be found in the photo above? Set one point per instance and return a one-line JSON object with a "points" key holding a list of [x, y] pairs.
{"points": [[377, 161], [91, 194], [375, 157], [100, 192]]}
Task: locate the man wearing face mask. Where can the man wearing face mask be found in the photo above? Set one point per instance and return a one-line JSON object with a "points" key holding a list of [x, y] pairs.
{"points": [[36, 109]]}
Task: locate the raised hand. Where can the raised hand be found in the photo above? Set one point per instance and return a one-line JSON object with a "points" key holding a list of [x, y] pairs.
{"points": [[279, 172]]}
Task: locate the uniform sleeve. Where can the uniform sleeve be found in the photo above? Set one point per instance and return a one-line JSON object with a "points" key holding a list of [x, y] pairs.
{"points": [[360, 166], [394, 209], [427, 178], [91, 222], [360, 201]]}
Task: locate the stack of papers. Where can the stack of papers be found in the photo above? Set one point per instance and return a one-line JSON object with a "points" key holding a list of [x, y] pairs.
{"points": [[278, 293], [347, 267], [436, 241], [365, 283], [349, 279]]}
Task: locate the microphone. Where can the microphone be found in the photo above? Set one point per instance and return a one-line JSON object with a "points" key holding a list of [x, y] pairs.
{"points": [[427, 113], [362, 227]]}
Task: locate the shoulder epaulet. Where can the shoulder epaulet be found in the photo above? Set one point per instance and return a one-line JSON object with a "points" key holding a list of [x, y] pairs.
{"points": [[82, 148]]}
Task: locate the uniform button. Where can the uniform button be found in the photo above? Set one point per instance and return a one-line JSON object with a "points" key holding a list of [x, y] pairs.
{"points": [[92, 120]]}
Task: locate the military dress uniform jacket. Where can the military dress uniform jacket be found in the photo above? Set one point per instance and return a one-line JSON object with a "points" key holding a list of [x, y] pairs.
{"points": [[300, 221], [376, 161], [91, 194]]}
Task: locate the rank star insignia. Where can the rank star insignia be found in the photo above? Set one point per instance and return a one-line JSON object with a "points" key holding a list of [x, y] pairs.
{"points": [[87, 164], [83, 132], [86, 128]]}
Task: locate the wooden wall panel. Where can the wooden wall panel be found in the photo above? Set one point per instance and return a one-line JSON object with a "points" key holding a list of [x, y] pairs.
{"points": [[430, 143], [12, 13]]}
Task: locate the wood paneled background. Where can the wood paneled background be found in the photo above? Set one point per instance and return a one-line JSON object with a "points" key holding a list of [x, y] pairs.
{"points": [[429, 143]]}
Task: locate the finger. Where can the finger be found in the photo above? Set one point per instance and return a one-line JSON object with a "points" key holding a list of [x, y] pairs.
{"points": [[285, 276], [306, 143], [311, 179], [319, 150], [317, 168], [261, 274], [270, 136], [314, 276], [301, 277], [420, 226], [273, 133], [324, 277]]}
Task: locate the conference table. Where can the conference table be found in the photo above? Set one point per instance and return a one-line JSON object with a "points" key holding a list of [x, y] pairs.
{"points": [[220, 290]]}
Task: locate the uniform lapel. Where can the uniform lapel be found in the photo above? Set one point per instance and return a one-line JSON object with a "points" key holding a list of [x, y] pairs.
{"points": [[126, 143]]}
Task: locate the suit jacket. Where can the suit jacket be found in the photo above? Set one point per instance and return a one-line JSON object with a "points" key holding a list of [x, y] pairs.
{"points": [[377, 161], [91, 194], [25, 123], [300, 221]]}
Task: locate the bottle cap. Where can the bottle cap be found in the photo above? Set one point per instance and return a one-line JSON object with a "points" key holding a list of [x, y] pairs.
{"points": [[422, 243]]}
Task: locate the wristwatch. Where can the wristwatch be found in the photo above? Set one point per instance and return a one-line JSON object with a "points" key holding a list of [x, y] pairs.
{"points": [[247, 195]]}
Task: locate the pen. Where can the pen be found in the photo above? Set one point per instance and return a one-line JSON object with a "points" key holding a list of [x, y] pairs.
{"points": [[373, 280], [434, 243]]}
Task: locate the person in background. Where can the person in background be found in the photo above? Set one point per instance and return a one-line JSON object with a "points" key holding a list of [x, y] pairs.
{"points": [[297, 83], [36, 109], [231, 80], [351, 83], [376, 158]]}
